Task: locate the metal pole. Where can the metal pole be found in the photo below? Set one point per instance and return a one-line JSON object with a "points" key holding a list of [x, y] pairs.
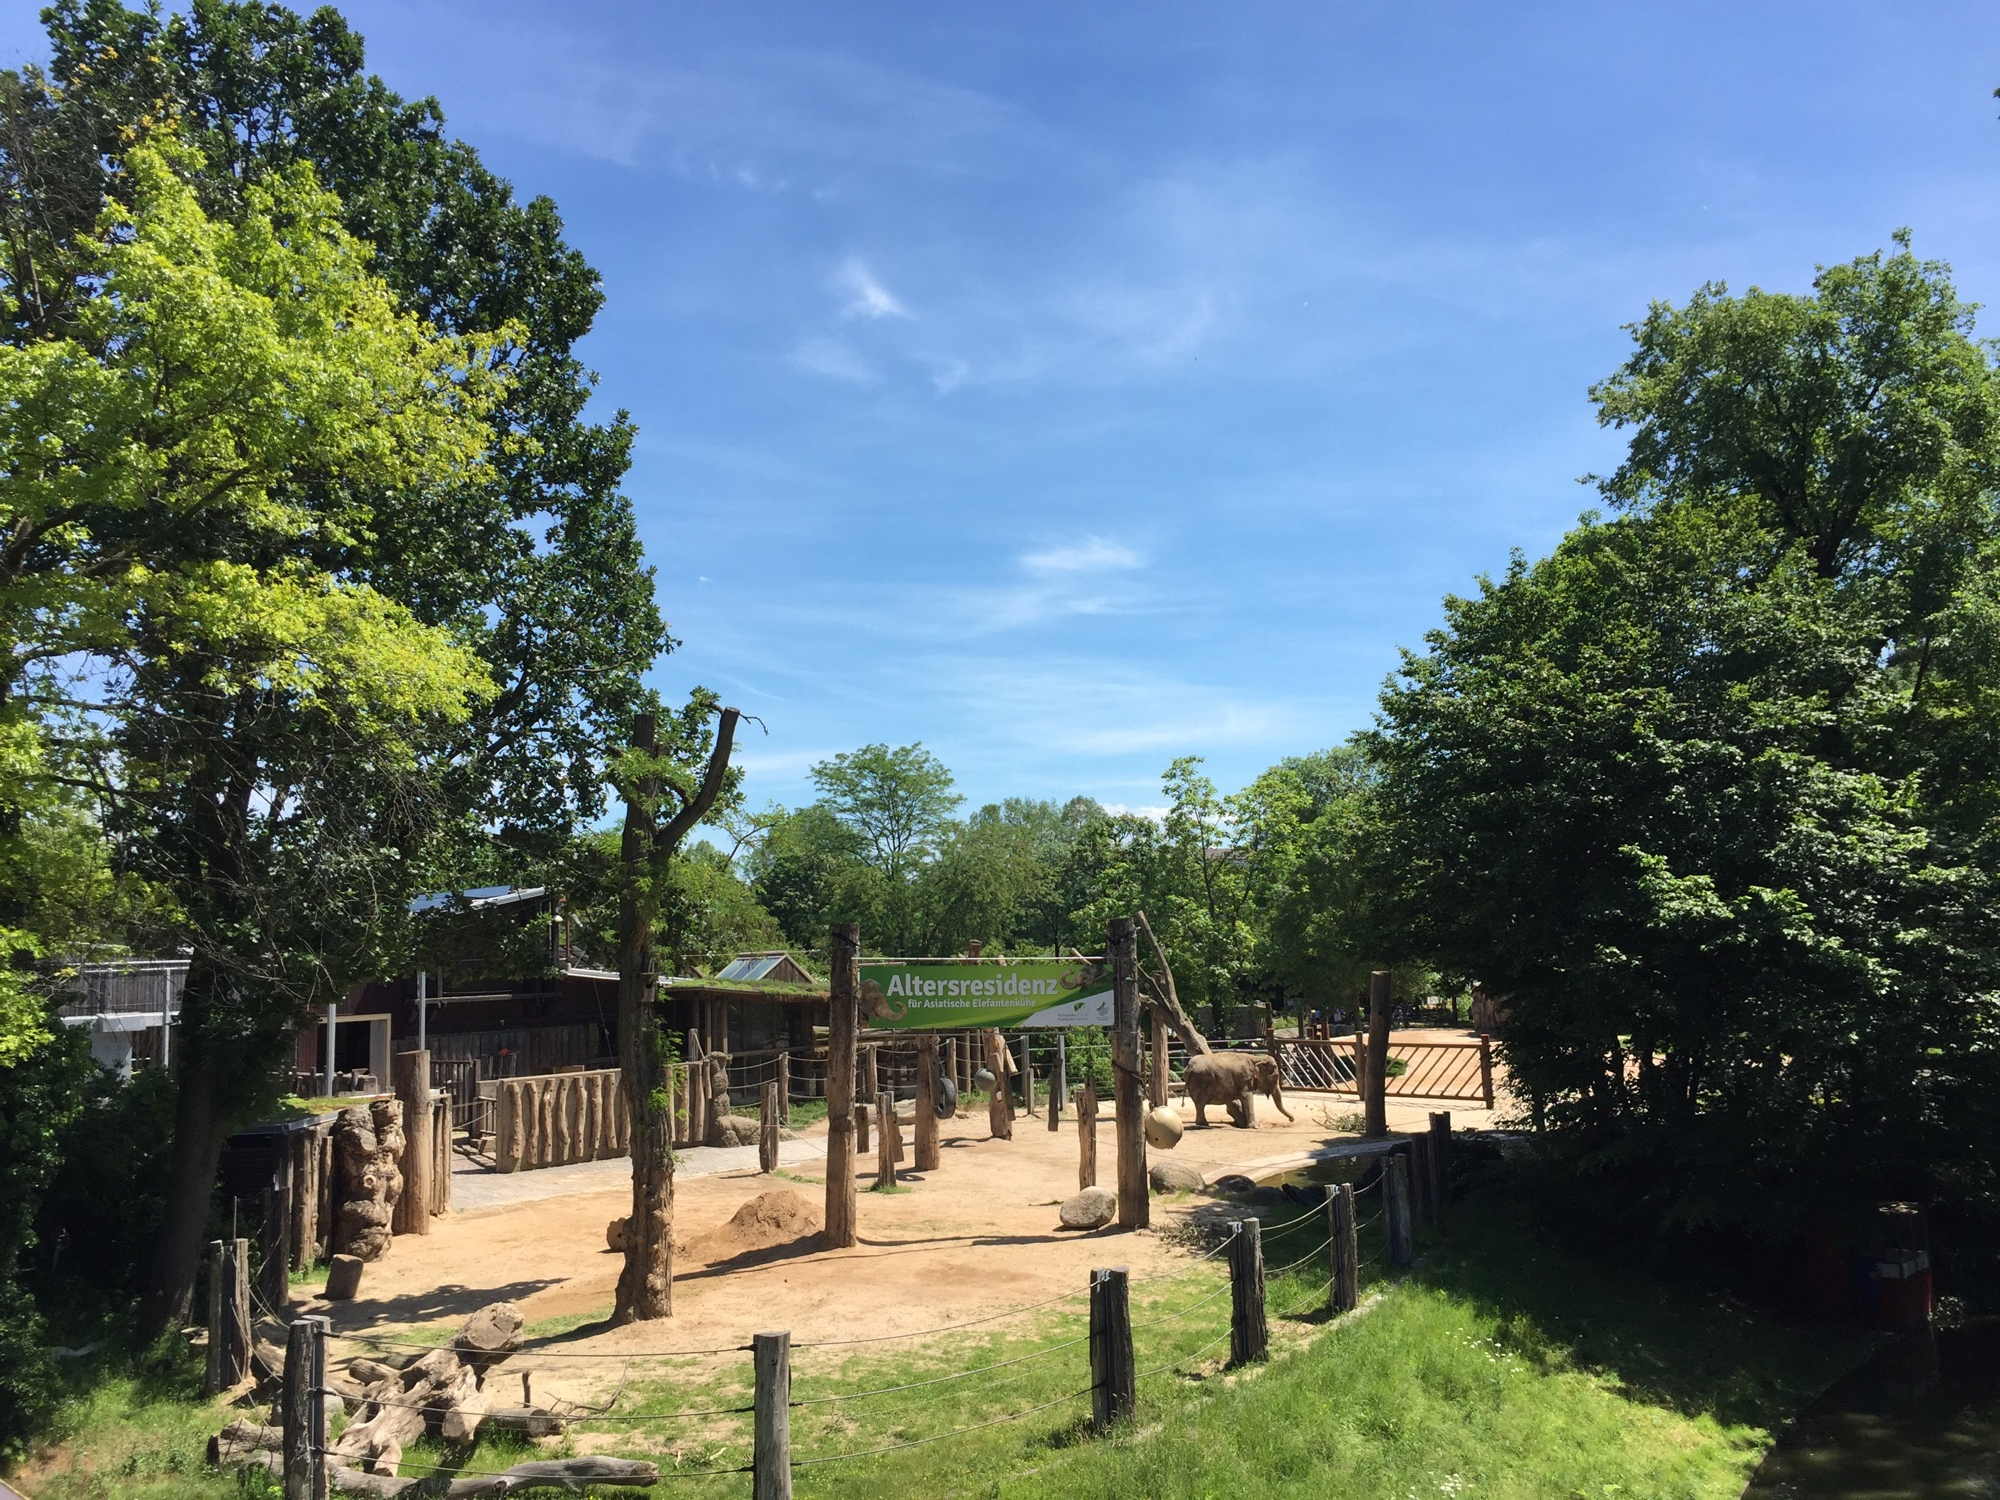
{"points": [[332, 1020], [423, 1010], [166, 1018]]}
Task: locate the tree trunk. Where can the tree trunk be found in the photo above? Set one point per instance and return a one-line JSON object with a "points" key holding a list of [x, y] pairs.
{"points": [[645, 1284], [197, 1153]]}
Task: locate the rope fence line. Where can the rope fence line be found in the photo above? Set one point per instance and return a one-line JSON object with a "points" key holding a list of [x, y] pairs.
{"points": [[1312, 1254], [377, 1341], [1178, 1358], [328, 1453], [1184, 1311], [883, 1338], [913, 1385], [834, 1458], [441, 1407]]}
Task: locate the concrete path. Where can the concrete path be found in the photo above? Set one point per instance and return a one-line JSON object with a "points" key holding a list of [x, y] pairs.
{"points": [[474, 1186]]}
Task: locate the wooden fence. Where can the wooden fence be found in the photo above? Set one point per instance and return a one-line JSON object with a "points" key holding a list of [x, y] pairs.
{"points": [[558, 1118], [1430, 1069]]}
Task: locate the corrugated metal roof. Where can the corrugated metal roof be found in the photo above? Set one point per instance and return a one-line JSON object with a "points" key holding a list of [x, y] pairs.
{"points": [[480, 896]]}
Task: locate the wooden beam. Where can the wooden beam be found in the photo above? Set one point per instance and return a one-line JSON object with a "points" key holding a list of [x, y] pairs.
{"points": [[1134, 1199], [843, 1022]]}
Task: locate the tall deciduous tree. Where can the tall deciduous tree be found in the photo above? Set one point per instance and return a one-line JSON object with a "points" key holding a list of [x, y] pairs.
{"points": [[527, 561], [1694, 791]]}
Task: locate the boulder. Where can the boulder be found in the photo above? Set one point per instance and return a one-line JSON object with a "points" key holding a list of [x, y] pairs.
{"points": [[1164, 1128], [1234, 1182], [614, 1233], [1175, 1177], [1092, 1208]]}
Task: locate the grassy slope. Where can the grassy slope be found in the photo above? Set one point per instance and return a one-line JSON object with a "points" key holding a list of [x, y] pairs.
{"points": [[1499, 1368]]}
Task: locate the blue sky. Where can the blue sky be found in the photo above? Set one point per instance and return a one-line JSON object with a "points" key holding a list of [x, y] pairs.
{"points": [[1071, 388]]}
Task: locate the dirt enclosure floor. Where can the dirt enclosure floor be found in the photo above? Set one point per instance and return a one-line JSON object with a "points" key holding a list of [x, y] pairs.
{"points": [[974, 1237]]}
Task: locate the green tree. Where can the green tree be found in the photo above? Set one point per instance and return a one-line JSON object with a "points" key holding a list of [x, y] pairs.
{"points": [[527, 559], [897, 801], [1691, 792]]}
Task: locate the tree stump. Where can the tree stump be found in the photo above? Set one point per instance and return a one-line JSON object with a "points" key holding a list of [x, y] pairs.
{"points": [[343, 1278], [367, 1144]]}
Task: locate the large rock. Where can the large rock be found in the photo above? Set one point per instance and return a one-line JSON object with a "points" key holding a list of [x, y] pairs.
{"points": [[614, 1233], [1164, 1129], [1092, 1208], [1174, 1177]]}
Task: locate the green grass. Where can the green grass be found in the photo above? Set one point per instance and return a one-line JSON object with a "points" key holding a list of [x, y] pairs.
{"points": [[1499, 1368], [294, 1107]]}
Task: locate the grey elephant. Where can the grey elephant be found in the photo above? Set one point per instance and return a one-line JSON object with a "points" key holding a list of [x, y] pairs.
{"points": [[1233, 1079]]}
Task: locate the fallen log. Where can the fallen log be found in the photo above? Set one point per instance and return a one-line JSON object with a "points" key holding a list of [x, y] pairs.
{"points": [[551, 1473], [241, 1438], [432, 1393]]}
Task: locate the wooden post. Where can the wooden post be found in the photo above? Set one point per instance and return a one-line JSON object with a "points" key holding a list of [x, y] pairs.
{"points": [[771, 1460], [767, 1130], [1027, 1076], [999, 1108], [1157, 1080], [870, 1073], [236, 1315], [1059, 1086], [1086, 1136], [1486, 1075], [303, 1408], [274, 1242], [863, 1141], [1396, 1209], [887, 1153], [927, 1097], [1343, 1250], [1113, 1372], [413, 1087], [1376, 1101], [843, 987], [1249, 1333], [697, 1086], [1440, 1163], [1134, 1200], [951, 1064], [784, 1088], [1360, 1067], [1417, 1155], [218, 1281]]}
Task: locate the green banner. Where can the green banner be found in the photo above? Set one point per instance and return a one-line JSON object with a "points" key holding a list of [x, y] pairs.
{"points": [[1030, 992]]}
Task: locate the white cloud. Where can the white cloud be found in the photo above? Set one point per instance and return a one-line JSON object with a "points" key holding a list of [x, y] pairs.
{"points": [[1094, 554], [865, 294], [1153, 811], [834, 360]]}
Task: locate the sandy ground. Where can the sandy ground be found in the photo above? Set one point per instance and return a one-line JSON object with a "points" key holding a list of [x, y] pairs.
{"points": [[976, 1236]]}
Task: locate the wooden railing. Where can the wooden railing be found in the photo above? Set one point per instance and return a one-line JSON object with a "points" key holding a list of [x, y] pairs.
{"points": [[1430, 1069]]}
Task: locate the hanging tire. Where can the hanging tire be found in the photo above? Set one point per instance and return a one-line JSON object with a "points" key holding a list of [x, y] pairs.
{"points": [[947, 1098]]}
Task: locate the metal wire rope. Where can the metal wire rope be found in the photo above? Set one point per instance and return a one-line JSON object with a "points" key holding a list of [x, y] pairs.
{"points": [[834, 1458], [941, 1379]]}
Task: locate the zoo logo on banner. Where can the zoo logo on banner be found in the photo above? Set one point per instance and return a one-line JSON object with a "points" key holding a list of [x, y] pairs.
{"points": [[1030, 992]]}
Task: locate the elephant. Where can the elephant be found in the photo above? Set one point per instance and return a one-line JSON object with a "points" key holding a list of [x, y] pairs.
{"points": [[1233, 1079]]}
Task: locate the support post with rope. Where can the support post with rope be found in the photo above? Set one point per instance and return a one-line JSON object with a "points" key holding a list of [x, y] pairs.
{"points": [[1113, 1372], [1343, 1250], [771, 1354], [1249, 1332], [1396, 1210]]}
